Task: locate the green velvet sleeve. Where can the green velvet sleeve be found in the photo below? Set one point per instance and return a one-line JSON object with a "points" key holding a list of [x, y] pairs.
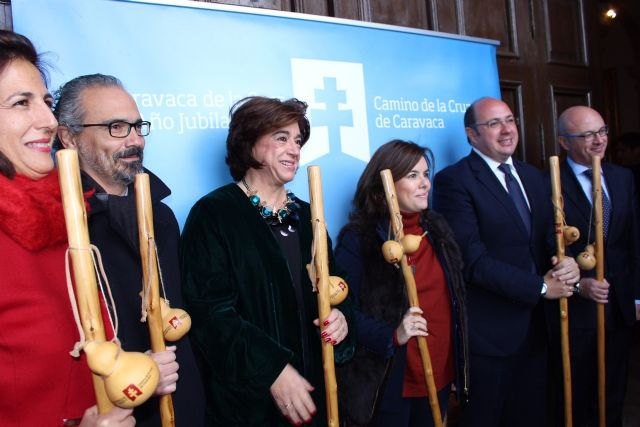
{"points": [[233, 352]]}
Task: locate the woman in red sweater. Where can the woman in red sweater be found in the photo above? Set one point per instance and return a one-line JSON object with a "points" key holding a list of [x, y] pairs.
{"points": [[384, 383], [41, 384]]}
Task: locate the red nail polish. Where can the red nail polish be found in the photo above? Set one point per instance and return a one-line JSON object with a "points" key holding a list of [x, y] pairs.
{"points": [[327, 339], [334, 342], [323, 335], [326, 322]]}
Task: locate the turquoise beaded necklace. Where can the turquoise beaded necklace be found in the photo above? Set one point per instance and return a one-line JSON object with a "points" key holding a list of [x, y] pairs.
{"points": [[267, 212]]}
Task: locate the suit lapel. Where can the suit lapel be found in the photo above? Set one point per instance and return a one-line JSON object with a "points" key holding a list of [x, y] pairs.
{"points": [[573, 193], [488, 180]]}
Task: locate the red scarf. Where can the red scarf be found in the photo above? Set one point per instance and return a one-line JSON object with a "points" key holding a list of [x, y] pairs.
{"points": [[31, 211]]}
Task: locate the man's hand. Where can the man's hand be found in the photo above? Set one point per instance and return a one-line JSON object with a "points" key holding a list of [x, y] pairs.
{"points": [[116, 417], [595, 290], [168, 367], [561, 277], [566, 271]]}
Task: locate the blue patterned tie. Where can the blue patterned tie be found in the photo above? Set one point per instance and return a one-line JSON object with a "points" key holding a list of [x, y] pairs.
{"points": [[515, 192], [606, 204]]}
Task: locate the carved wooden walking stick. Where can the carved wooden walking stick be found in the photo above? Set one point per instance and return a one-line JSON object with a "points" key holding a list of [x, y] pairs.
{"points": [[86, 287], [558, 208], [150, 280], [599, 234], [410, 283], [321, 262]]}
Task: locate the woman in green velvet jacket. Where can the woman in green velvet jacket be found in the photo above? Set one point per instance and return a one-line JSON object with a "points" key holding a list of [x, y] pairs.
{"points": [[244, 251]]}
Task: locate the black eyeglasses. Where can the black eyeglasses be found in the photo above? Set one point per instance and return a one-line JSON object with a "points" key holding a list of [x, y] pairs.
{"points": [[590, 135], [495, 123], [122, 129]]}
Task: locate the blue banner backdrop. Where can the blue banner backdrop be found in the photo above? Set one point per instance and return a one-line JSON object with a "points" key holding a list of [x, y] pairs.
{"points": [[187, 62]]}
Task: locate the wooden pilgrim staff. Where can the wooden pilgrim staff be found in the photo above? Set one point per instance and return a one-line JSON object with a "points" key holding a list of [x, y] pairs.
{"points": [[412, 293], [321, 262], [85, 282], [150, 280], [558, 208], [599, 233]]}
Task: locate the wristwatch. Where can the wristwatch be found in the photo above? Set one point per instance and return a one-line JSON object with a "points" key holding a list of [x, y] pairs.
{"points": [[543, 291]]}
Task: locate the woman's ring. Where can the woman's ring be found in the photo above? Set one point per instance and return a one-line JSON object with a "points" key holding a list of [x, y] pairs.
{"points": [[288, 405]]}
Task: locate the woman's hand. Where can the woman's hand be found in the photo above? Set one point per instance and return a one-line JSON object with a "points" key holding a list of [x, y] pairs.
{"points": [[336, 327], [168, 366], [116, 417], [292, 394], [412, 325]]}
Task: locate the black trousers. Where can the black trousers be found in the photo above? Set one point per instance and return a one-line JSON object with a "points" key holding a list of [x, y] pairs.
{"points": [[584, 375], [508, 391]]}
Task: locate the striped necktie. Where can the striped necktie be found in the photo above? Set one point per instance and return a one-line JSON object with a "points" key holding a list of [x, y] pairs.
{"points": [[606, 204], [515, 192]]}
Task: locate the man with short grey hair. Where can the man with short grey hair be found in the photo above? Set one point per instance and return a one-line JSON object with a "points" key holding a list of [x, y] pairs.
{"points": [[100, 119], [583, 134]]}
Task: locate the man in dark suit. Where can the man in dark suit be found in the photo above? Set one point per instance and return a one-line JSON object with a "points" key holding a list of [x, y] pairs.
{"points": [[583, 134], [501, 214]]}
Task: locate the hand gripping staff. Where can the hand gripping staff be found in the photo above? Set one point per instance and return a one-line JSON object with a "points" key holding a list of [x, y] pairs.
{"points": [[412, 293], [599, 233], [124, 379], [558, 208], [321, 263], [86, 286], [151, 283]]}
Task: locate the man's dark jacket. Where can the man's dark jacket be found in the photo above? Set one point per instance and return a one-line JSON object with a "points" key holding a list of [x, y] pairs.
{"points": [[503, 265], [113, 229]]}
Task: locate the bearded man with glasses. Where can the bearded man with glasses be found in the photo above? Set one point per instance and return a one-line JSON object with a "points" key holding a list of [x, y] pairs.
{"points": [[100, 119], [582, 133]]}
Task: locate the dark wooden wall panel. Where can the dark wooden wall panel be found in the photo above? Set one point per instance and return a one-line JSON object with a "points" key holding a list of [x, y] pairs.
{"points": [[499, 24], [5, 16], [563, 98], [512, 95], [610, 83], [352, 9], [566, 39], [408, 13], [264, 4], [312, 7], [446, 16]]}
